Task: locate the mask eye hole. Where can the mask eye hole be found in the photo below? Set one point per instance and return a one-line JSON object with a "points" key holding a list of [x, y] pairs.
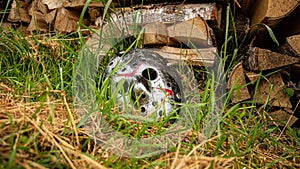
{"points": [[149, 74]]}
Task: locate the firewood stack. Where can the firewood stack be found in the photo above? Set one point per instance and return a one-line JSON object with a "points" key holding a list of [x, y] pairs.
{"points": [[46, 15], [160, 29], [270, 72]]}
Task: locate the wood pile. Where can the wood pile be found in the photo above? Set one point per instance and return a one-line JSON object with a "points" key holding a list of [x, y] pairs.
{"points": [[165, 34], [161, 28], [269, 73]]}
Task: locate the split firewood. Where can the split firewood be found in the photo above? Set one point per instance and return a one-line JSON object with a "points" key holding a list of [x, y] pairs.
{"points": [[272, 91], [94, 14], [242, 25], [81, 3], [166, 13], [131, 24], [193, 33], [38, 23], [252, 76], [291, 46], [156, 33], [237, 83], [282, 118], [37, 11], [55, 4], [66, 20], [272, 12], [37, 6], [50, 17], [201, 56], [19, 11], [290, 25], [262, 59]]}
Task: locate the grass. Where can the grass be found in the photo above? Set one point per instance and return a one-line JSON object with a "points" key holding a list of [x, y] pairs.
{"points": [[39, 127]]}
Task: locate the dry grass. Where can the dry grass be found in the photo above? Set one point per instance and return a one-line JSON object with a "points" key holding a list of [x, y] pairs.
{"points": [[27, 125], [27, 136]]}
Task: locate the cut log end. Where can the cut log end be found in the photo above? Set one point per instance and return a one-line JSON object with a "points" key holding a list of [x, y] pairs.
{"points": [[237, 83], [262, 59], [282, 118]]}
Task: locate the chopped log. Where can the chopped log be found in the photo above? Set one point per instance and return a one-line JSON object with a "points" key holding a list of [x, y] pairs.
{"points": [[274, 96], [37, 6], [291, 46], [55, 4], [81, 3], [19, 11], [37, 11], [49, 17], [131, 21], [242, 25], [156, 33], [282, 118], [272, 12], [294, 42], [290, 25], [202, 56], [262, 59], [94, 14], [66, 20], [252, 76], [38, 23], [237, 83], [193, 33], [166, 13]]}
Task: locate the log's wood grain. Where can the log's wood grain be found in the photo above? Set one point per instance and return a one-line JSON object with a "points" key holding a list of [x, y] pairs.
{"points": [[55, 4], [167, 13], [271, 91], [66, 20], [202, 56], [19, 12], [290, 25], [156, 33], [38, 22], [50, 17], [252, 76], [291, 46], [262, 59], [37, 6], [294, 42], [37, 10], [282, 118], [237, 83], [193, 32], [272, 12]]}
